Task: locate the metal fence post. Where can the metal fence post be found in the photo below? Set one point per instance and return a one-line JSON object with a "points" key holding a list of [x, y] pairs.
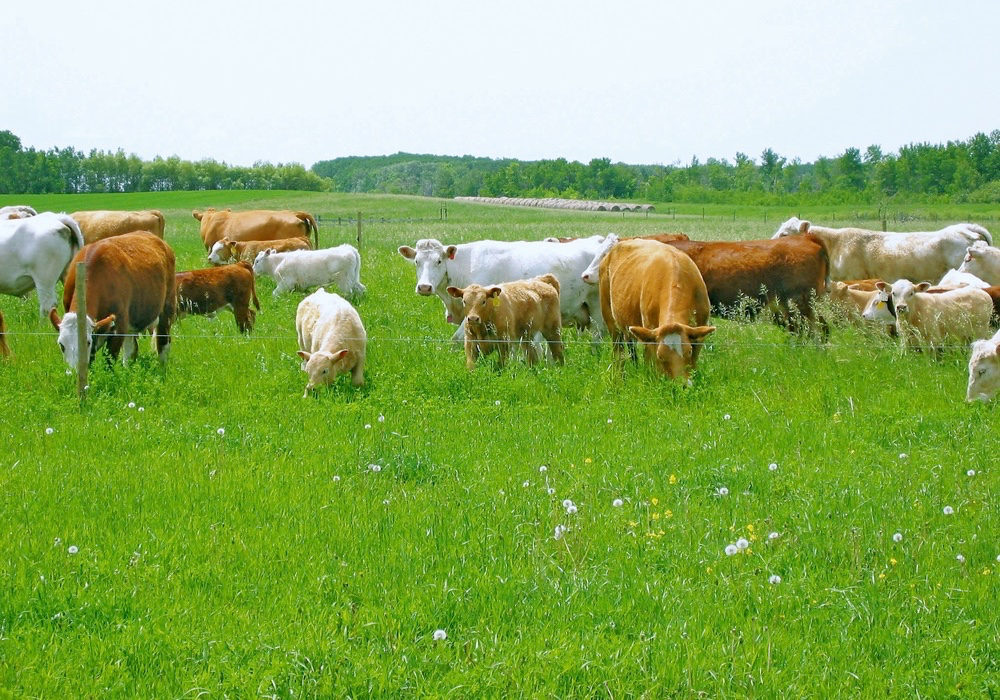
{"points": [[82, 348]]}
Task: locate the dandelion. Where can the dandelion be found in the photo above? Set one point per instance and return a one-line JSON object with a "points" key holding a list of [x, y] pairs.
{"points": [[375, 467], [948, 510], [971, 472], [73, 549], [774, 580], [368, 426], [571, 509], [440, 635], [892, 561], [773, 466], [381, 418], [773, 536], [385, 502], [543, 469], [496, 403], [722, 491], [961, 559], [49, 431], [567, 503], [221, 431], [742, 543], [903, 455], [588, 460], [726, 417], [986, 571], [998, 557], [672, 479], [141, 409], [336, 477], [668, 513], [609, 421], [898, 537], [57, 542], [526, 484], [731, 549], [131, 404], [618, 503], [560, 531], [655, 501], [552, 491]]}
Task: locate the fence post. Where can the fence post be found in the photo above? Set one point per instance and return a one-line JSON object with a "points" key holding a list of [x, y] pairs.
{"points": [[359, 230], [82, 347]]}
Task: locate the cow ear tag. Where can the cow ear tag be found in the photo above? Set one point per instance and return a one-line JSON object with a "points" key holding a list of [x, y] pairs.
{"points": [[880, 305], [496, 302]]}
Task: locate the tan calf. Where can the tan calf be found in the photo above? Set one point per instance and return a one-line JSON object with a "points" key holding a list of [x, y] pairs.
{"points": [[228, 250], [332, 339], [230, 286], [500, 316]]}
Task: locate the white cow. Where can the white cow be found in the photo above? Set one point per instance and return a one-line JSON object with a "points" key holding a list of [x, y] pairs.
{"points": [[332, 339], [857, 253], [16, 211], [983, 261], [301, 269], [494, 262], [984, 370], [962, 314], [34, 253], [957, 278], [591, 274]]}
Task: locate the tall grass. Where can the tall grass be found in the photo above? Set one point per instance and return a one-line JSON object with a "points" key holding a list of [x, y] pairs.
{"points": [[231, 538]]}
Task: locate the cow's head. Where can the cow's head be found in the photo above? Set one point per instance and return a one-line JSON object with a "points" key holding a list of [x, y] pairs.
{"points": [[215, 255], [68, 334], [670, 348], [322, 367], [793, 226], [984, 370], [979, 260], [260, 263], [431, 260], [881, 308], [591, 274], [478, 306]]}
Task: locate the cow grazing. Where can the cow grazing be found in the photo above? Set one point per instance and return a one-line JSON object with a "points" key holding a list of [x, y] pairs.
{"points": [[501, 316], [255, 225], [983, 261], [100, 224], [34, 253], [493, 262], [130, 290], [227, 251], [4, 349], [332, 339], [859, 253], [654, 293], [301, 269], [16, 211], [207, 291], [984, 370], [961, 314]]}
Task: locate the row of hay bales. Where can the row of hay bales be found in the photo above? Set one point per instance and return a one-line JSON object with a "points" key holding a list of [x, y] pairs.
{"points": [[555, 203]]}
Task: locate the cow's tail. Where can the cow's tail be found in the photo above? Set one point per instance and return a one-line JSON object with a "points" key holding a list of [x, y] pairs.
{"points": [[825, 282], [311, 226], [980, 232], [253, 288], [550, 280], [356, 273], [76, 235]]}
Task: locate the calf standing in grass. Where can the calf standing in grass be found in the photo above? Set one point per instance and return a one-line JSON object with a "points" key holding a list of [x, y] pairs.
{"points": [[207, 291], [332, 339], [499, 316], [984, 370], [227, 251], [301, 269]]}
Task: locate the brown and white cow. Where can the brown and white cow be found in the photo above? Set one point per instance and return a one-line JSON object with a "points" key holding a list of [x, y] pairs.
{"points": [[227, 251], [130, 290], [101, 223], [255, 225], [4, 349], [654, 293], [502, 316], [230, 286]]}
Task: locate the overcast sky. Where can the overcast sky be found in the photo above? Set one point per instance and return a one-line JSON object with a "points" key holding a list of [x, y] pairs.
{"points": [[637, 81]]}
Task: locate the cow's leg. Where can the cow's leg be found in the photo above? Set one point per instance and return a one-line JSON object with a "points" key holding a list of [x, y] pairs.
{"points": [[46, 297], [244, 318], [530, 349], [163, 338], [553, 336], [114, 343], [358, 375]]}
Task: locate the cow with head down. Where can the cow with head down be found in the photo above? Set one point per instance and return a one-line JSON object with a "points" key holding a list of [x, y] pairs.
{"points": [[984, 370], [255, 225], [34, 253], [130, 289]]}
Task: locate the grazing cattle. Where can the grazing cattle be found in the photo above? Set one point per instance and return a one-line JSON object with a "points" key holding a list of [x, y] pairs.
{"points": [[332, 339], [100, 224], [983, 261], [255, 225], [227, 251], [500, 316], [34, 253], [207, 291], [654, 293], [858, 253], [130, 290], [493, 262], [4, 349], [984, 370], [961, 314], [301, 269], [16, 211]]}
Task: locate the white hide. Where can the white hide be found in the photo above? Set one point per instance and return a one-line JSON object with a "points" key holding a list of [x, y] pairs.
{"points": [[34, 253], [16, 211], [332, 339], [962, 314], [301, 269], [591, 274], [957, 278], [984, 370], [983, 261]]}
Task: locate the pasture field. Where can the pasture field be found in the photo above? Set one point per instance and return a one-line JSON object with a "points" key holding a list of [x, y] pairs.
{"points": [[204, 531]]}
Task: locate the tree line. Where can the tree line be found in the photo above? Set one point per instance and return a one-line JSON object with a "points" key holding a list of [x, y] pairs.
{"points": [[957, 172]]}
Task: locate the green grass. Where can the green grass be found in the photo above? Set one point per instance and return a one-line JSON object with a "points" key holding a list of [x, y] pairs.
{"points": [[273, 561]]}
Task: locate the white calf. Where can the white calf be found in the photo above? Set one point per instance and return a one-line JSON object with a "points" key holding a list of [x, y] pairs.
{"points": [[332, 339], [983, 261], [34, 253], [301, 269]]}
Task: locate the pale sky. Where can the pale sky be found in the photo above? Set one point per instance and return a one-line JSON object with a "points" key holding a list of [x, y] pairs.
{"points": [[636, 81]]}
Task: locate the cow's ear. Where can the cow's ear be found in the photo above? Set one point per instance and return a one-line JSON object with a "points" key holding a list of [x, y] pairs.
{"points": [[304, 355], [883, 287], [643, 334], [340, 354], [197, 214], [698, 333], [407, 252], [450, 251], [923, 286], [493, 292], [456, 292], [855, 287], [804, 227], [54, 317], [105, 324]]}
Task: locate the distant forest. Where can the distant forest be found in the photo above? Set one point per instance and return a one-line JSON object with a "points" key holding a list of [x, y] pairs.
{"points": [[956, 172]]}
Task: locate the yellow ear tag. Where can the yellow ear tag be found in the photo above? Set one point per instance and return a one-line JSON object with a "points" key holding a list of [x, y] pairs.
{"points": [[496, 301], [880, 305]]}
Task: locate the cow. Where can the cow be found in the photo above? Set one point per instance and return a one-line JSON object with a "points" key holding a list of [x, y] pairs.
{"points": [[501, 316], [34, 253], [301, 269], [332, 339], [984, 370], [655, 294], [4, 348], [255, 225], [859, 253], [16, 211], [983, 261], [130, 290], [853, 295], [930, 319], [957, 278], [227, 251], [493, 262], [101, 223], [230, 286]]}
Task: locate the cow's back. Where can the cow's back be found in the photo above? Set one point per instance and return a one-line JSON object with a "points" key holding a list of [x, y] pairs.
{"points": [[253, 225]]}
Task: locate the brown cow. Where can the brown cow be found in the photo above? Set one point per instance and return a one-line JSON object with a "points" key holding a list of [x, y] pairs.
{"points": [[764, 271], [100, 224], [654, 293], [255, 225], [207, 291], [130, 289], [4, 350], [227, 251]]}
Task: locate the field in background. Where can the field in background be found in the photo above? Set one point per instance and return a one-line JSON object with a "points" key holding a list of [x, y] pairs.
{"points": [[204, 530]]}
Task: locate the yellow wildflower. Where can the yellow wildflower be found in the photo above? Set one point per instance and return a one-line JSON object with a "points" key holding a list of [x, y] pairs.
{"points": [[986, 571], [654, 501], [587, 461], [892, 561], [673, 478], [668, 513], [656, 516], [881, 576]]}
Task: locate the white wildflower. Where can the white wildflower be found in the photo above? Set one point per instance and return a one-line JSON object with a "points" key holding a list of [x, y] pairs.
{"points": [[722, 491], [971, 472], [440, 635], [567, 503], [131, 404], [774, 580], [571, 509], [221, 431], [898, 537], [742, 543], [543, 469], [948, 510], [773, 536], [903, 455], [618, 503], [731, 549], [773, 466], [961, 559], [73, 549], [526, 484]]}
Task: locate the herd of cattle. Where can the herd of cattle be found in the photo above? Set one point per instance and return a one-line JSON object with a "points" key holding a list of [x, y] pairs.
{"points": [[930, 288]]}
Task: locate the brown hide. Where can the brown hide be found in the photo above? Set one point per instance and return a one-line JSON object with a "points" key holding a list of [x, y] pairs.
{"points": [[206, 291], [255, 225], [248, 250], [664, 237], [4, 350], [100, 224]]}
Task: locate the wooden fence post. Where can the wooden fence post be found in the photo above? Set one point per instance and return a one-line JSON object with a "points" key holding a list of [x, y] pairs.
{"points": [[82, 347]]}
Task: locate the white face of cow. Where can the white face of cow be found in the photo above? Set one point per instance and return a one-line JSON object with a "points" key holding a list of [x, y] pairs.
{"points": [[881, 308], [215, 255], [431, 260], [591, 274], [323, 367], [984, 371], [68, 338], [791, 227], [260, 262]]}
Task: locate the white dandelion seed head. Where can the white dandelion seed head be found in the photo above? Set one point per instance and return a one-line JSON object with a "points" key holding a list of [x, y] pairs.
{"points": [[131, 404], [731, 549], [69, 372], [971, 472], [773, 466], [774, 580], [496, 403], [57, 542], [559, 532], [774, 535], [368, 426], [727, 417], [571, 509], [49, 431], [385, 502], [221, 431], [526, 484], [948, 510], [141, 409], [618, 503], [742, 543], [543, 469], [375, 467], [903, 455], [552, 491], [898, 537], [567, 503], [609, 421], [960, 558], [336, 477], [381, 418], [73, 549], [722, 491], [440, 635], [998, 557]]}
